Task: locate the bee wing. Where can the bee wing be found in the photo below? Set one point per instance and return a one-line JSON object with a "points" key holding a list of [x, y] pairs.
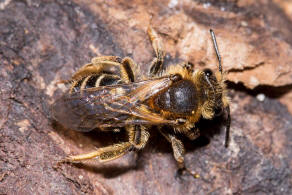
{"points": [[110, 106]]}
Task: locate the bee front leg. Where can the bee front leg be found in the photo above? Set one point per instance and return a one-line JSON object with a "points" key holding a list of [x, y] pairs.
{"points": [[157, 63], [178, 153]]}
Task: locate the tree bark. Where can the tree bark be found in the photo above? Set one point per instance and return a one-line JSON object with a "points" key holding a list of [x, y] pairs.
{"points": [[43, 42]]}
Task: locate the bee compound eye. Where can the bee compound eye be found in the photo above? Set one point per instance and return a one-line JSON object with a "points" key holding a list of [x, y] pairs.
{"points": [[208, 72], [175, 77], [189, 66]]}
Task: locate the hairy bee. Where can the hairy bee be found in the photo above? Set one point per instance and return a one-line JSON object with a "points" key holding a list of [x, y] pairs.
{"points": [[104, 94]]}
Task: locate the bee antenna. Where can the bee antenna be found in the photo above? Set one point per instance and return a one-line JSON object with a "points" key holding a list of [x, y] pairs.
{"points": [[228, 120], [216, 49]]}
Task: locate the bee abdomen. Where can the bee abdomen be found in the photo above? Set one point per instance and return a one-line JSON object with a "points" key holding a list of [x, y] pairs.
{"points": [[95, 80]]}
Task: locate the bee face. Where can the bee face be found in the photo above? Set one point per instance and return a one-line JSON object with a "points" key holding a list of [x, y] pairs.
{"points": [[181, 98], [212, 87], [208, 72]]}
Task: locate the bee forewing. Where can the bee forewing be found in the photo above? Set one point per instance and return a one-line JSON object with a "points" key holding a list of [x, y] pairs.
{"points": [[109, 106]]}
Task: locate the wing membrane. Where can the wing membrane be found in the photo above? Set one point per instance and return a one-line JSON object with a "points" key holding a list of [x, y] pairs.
{"points": [[110, 106]]}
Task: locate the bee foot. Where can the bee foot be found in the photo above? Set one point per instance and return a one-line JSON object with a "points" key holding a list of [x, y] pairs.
{"points": [[179, 175], [180, 172]]}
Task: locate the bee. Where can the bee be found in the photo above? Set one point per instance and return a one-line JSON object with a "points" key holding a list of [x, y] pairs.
{"points": [[105, 95]]}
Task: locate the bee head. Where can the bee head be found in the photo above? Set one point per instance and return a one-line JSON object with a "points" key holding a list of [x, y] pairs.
{"points": [[213, 87], [212, 93]]}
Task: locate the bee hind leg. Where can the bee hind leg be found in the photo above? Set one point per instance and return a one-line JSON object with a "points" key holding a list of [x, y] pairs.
{"points": [[107, 64], [117, 66], [97, 66], [138, 138], [102, 154], [178, 153]]}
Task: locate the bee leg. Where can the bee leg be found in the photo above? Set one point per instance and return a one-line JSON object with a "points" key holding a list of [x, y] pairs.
{"points": [[127, 74], [193, 134], [98, 65], [103, 154], [123, 68], [138, 136], [157, 63], [178, 153], [96, 60], [104, 70]]}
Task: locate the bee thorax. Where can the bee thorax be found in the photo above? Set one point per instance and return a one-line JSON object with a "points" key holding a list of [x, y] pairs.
{"points": [[180, 98]]}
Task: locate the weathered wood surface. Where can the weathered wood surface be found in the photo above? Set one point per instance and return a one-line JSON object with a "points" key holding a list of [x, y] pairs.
{"points": [[42, 42]]}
